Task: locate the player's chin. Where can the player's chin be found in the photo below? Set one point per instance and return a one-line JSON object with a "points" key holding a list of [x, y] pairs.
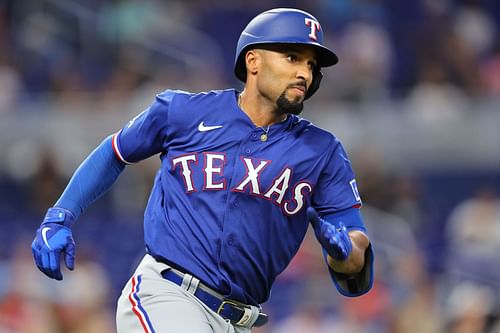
{"points": [[293, 106]]}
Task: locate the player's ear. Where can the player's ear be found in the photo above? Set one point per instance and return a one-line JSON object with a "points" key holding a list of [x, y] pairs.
{"points": [[252, 62]]}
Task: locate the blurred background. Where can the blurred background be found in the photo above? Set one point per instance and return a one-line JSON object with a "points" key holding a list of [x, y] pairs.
{"points": [[415, 99]]}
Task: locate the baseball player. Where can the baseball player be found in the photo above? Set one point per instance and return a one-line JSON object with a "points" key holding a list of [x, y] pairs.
{"points": [[241, 178]]}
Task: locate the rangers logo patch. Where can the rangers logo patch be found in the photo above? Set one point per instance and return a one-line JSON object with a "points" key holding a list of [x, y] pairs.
{"points": [[354, 188]]}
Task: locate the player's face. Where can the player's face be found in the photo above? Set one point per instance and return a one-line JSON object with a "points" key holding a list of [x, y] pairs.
{"points": [[285, 73]]}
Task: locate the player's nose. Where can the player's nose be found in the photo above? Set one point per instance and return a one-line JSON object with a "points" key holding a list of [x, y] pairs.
{"points": [[305, 74]]}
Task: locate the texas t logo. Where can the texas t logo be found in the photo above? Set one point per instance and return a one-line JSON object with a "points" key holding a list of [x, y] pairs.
{"points": [[314, 27]]}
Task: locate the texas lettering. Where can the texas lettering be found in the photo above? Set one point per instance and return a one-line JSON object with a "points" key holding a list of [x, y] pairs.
{"points": [[213, 175]]}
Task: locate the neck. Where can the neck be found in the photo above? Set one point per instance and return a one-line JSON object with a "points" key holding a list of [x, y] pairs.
{"points": [[259, 109]]}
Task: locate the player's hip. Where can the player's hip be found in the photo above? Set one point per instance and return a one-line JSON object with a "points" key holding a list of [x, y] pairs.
{"points": [[155, 286]]}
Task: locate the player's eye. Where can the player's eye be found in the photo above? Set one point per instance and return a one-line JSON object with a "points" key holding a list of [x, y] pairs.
{"points": [[312, 65], [292, 57]]}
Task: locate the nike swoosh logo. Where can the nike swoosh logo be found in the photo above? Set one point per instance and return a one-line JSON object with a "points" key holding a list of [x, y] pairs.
{"points": [[203, 128], [44, 236]]}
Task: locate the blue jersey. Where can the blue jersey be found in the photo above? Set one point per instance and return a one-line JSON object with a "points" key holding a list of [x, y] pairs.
{"points": [[227, 205]]}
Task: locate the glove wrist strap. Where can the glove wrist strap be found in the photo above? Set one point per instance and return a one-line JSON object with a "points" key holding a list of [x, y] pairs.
{"points": [[59, 215]]}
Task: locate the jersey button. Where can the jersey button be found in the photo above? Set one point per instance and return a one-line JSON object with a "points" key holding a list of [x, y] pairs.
{"points": [[248, 151], [254, 135], [230, 240], [236, 203]]}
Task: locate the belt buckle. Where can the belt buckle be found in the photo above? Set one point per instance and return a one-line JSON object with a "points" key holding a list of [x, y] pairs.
{"points": [[224, 302]]}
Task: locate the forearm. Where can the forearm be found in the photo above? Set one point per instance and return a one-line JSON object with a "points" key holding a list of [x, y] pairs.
{"points": [[356, 260], [92, 179]]}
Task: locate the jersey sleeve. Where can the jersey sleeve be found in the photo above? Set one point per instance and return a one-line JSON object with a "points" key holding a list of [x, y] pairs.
{"points": [[145, 134], [336, 189], [337, 200]]}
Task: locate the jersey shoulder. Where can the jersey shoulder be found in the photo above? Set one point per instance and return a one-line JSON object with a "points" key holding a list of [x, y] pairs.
{"points": [[314, 134], [195, 98]]}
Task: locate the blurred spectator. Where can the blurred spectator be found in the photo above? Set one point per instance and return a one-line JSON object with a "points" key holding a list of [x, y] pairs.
{"points": [[490, 71], [407, 201], [366, 54], [41, 55], [411, 301], [46, 184], [420, 310], [10, 81], [473, 232], [469, 307], [474, 26], [435, 99]]}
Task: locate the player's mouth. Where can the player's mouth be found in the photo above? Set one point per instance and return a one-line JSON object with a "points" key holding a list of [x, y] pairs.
{"points": [[299, 89]]}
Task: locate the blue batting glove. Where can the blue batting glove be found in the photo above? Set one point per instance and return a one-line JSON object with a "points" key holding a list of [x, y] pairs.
{"points": [[53, 239], [335, 241]]}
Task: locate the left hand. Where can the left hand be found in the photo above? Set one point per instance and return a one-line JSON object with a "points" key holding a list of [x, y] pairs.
{"points": [[335, 241], [53, 240]]}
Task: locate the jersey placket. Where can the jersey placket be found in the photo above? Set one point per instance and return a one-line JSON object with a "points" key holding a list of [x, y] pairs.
{"points": [[233, 211]]}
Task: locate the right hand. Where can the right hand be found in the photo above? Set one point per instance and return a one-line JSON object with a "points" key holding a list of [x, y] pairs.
{"points": [[52, 240], [335, 241]]}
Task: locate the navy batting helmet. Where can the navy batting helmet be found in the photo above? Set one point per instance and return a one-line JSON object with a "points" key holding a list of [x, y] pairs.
{"points": [[287, 26]]}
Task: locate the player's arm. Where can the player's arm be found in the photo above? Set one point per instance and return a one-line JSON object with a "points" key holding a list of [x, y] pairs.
{"points": [[54, 238], [346, 248], [339, 225], [141, 138]]}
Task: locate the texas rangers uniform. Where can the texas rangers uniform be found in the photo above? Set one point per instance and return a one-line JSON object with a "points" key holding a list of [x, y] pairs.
{"points": [[228, 204]]}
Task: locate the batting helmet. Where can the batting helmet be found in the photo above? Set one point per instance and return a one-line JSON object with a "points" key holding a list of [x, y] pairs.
{"points": [[286, 26]]}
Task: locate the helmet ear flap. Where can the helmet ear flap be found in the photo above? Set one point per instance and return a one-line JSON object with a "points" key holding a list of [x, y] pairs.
{"points": [[317, 77]]}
